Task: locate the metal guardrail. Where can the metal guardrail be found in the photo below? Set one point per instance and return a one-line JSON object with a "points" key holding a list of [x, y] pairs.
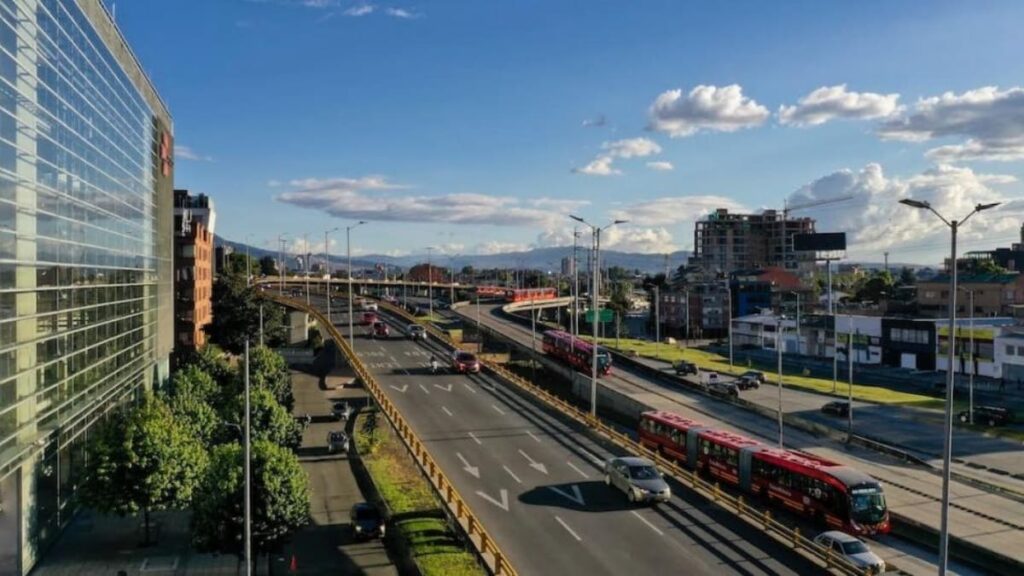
{"points": [[762, 520], [485, 545]]}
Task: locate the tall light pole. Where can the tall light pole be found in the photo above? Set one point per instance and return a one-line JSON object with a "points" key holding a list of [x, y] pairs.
{"points": [[451, 277], [778, 351], [327, 265], [657, 320], [248, 269], [280, 258], [305, 263], [728, 307], [970, 356], [797, 294], [248, 470], [947, 448], [593, 305], [430, 284], [348, 253], [576, 285]]}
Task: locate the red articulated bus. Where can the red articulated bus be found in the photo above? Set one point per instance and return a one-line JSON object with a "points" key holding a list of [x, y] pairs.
{"points": [[530, 294], [838, 496], [575, 352]]}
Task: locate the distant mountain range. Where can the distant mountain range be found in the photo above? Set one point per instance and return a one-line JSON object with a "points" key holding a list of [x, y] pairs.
{"points": [[535, 259]]}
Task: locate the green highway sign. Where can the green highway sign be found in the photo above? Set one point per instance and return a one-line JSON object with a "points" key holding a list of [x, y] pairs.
{"points": [[606, 315]]}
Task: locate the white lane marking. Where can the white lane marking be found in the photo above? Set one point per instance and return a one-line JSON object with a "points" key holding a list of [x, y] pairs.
{"points": [[593, 457], [448, 389], [500, 411], [532, 435], [424, 388], [533, 463], [402, 389], [512, 474], [567, 529], [470, 388], [576, 496], [504, 499], [446, 410], [581, 472], [646, 521], [474, 470], [475, 439]]}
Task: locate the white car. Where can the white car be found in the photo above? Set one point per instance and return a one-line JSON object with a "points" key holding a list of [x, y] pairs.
{"points": [[852, 549], [369, 306]]}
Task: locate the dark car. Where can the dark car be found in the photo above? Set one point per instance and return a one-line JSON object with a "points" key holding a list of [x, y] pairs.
{"points": [[684, 368], [748, 382], [754, 375], [341, 410], [367, 521], [988, 415], [337, 441], [381, 330], [465, 363], [837, 408]]}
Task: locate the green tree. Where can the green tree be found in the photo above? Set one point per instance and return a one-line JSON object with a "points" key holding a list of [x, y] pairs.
{"points": [[876, 287], [270, 421], [268, 266], [907, 277], [236, 315], [987, 266], [142, 459], [191, 397], [280, 499], [267, 369]]}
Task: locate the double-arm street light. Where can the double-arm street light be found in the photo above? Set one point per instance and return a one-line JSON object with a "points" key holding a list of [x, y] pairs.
{"points": [[430, 284], [348, 250], [947, 448], [594, 303], [970, 357], [327, 268]]}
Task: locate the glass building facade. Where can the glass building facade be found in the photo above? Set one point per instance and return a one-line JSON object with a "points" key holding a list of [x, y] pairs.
{"points": [[86, 178]]}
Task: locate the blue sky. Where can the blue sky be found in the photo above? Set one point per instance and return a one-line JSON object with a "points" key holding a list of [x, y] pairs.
{"points": [[478, 126]]}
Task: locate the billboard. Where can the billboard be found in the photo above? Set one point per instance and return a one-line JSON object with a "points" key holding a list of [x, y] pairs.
{"points": [[825, 242]]}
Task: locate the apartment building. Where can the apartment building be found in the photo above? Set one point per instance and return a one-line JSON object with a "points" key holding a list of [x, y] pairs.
{"points": [[725, 242], [194, 221]]}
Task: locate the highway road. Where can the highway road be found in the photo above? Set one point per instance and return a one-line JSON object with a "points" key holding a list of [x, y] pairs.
{"points": [[984, 518], [536, 483]]}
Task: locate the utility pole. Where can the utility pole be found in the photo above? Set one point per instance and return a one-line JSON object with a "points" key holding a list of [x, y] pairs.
{"points": [[778, 351], [348, 254], [657, 321], [728, 307], [305, 264], [327, 266], [849, 392], [886, 262], [248, 469], [280, 257], [430, 283]]}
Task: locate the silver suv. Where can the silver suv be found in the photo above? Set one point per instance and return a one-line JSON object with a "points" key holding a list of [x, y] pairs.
{"points": [[416, 332], [638, 478]]}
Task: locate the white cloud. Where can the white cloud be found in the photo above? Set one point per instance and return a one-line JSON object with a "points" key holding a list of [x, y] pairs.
{"points": [[401, 13], [350, 198], [297, 245], [671, 210], [634, 239], [991, 120], [661, 166], [874, 221], [831, 102], [557, 237], [359, 10], [721, 109], [627, 148], [182, 152], [273, 183], [495, 247], [596, 122]]}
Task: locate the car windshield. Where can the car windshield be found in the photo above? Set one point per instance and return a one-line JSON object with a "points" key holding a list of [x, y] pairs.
{"points": [[854, 547], [642, 472], [367, 513], [466, 358], [867, 506]]}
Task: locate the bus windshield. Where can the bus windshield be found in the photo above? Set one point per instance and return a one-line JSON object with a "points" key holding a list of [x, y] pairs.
{"points": [[603, 360], [867, 506]]}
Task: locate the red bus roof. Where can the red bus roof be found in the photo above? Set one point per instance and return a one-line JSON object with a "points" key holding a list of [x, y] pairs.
{"points": [[729, 439], [579, 343], [815, 467], [672, 419]]}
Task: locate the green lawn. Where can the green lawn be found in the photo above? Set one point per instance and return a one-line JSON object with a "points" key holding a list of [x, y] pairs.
{"points": [[710, 361], [435, 548]]}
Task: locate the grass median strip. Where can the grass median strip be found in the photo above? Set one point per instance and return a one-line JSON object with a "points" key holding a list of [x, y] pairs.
{"points": [[416, 513]]}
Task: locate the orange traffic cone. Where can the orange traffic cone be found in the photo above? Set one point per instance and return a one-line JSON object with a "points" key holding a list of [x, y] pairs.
{"points": [[294, 566]]}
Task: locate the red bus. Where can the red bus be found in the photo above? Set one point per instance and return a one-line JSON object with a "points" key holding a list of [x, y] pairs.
{"points": [[832, 494], [575, 352], [530, 294]]}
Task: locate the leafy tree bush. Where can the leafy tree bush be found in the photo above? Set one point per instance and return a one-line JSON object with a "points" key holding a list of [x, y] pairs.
{"points": [[270, 421]]}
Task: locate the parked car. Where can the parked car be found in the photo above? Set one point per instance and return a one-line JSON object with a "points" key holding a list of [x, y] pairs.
{"points": [[683, 368], [852, 549], [748, 382], [465, 362], [341, 410], [381, 330], [755, 375], [637, 478], [416, 332], [337, 441], [988, 415], [367, 521], [369, 318], [836, 408]]}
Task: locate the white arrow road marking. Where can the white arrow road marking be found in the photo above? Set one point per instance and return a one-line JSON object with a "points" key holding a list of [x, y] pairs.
{"points": [[470, 388], [475, 439], [567, 529], [447, 411], [512, 474], [500, 411], [474, 470], [534, 464], [531, 434], [504, 499], [402, 389], [424, 388], [649, 525], [448, 389], [576, 495], [581, 472]]}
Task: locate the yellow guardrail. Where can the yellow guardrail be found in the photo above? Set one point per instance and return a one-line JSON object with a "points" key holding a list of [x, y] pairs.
{"points": [[485, 545], [761, 519]]}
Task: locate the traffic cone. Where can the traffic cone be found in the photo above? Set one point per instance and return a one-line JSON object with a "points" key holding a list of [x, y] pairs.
{"points": [[294, 566]]}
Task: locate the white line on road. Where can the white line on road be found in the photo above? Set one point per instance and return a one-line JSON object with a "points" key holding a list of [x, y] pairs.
{"points": [[504, 499], [424, 388], [402, 389], [569, 530], [581, 472], [500, 411], [439, 387], [532, 435], [474, 470], [475, 439], [649, 525], [512, 474], [446, 410], [540, 467], [470, 388]]}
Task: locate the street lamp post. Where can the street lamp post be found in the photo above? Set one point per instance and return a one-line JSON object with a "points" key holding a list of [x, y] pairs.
{"points": [[430, 284], [947, 448], [728, 307], [248, 470], [596, 231], [327, 265], [970, 356], [798, 342], [280, 258], [248, 268], [348, 254], [305, 264]]}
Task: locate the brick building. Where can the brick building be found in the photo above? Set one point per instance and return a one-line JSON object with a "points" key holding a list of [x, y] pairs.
{"points": [[724, 242], [994, 294], [194, 220]]}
